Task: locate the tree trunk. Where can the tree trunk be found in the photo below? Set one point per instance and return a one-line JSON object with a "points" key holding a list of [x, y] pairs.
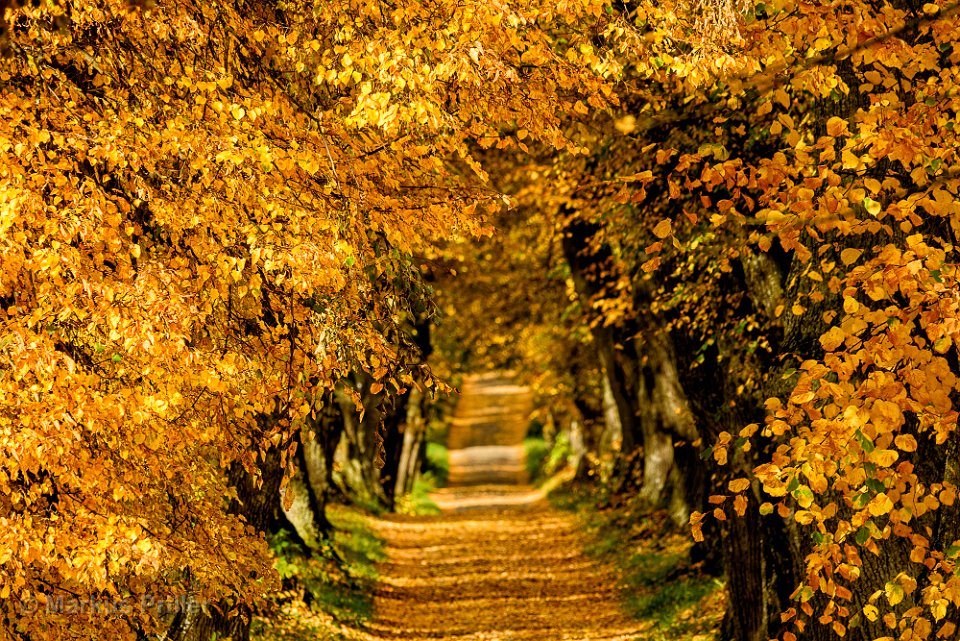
{"points": [[257, 504], [594, 275], [319, 445], [304, 499], [413, 435], [359, 454]]}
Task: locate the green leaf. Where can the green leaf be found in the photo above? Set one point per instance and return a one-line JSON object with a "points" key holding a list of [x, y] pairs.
{"points": [[793, 484], [804, 497], [864, 442], [862, 536]]}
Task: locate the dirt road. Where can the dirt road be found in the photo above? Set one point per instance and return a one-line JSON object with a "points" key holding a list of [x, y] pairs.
{"points": [[501, 565]]}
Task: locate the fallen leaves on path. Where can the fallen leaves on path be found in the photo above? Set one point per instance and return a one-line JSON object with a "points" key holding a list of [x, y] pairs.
{"points": [[509, 567]]}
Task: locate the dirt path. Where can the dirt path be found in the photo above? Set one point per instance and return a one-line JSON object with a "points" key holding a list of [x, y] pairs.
{"points": [[502, 566]]}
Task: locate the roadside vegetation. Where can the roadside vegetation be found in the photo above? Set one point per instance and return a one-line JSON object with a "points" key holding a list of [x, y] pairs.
{"points": [[327, 594], [659, 582]]}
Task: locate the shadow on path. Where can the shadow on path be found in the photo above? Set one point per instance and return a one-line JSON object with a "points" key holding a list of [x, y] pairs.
{"points": [[500, 563]]}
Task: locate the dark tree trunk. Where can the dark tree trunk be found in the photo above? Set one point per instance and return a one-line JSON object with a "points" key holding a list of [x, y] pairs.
{"points": [[595, 275], [392, 430], [360, 452], [258, 502]]}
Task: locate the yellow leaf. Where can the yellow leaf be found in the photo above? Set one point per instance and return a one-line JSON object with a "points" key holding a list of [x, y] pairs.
{"points": [[948, 496], [651, 265], [880, 505], [939, 609], [738, 485], [696, 525], [781, 97], [663, 228], [849, 159], [894, 593], [850, 255], [871, 612], [626, 124], [907, 582], [836, 126], [833, 339], [884, 458], [906, 443], [740, 505]]}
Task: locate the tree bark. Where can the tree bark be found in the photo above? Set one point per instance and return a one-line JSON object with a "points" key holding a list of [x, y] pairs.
{"points": [[413, 435], [257, 503], [359, 454], [594, 274]]}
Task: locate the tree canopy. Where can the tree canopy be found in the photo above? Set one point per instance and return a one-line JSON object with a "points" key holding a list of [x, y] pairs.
{"points": [[724, 232]]}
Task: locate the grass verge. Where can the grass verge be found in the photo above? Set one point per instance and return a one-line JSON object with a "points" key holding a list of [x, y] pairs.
{"points": [[327, 593], [437, 463], [659, 584], [545, 460], [418, 502]]}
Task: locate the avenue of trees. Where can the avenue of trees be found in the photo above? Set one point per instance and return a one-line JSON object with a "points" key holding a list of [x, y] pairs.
{"points": [[243, 243]]}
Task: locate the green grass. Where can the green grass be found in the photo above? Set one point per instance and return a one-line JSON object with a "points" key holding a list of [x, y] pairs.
{"points": [[544, 460], [418, 501], [438, 463], [537, 453], [658, 583], [664, 604], [338, 578]]}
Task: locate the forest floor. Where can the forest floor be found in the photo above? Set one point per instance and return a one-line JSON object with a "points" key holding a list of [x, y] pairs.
{"points": [[504, 565], [498, 564]]}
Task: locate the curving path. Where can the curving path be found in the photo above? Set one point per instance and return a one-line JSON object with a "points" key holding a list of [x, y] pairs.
{"points": [[500, 563]]}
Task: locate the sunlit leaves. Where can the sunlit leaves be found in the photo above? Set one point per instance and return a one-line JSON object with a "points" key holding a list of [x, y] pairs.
{"points": [[202, 228]]}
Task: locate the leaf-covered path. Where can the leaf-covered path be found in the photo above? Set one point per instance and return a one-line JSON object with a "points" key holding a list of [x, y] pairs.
{"points": [[499, 564]]}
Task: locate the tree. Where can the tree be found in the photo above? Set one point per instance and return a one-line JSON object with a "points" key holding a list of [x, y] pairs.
{"points": [[200, 205]]}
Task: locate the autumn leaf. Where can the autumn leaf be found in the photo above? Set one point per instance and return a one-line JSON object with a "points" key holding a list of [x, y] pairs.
{"points": [[663, 229], [906, 442], [850, 255]]}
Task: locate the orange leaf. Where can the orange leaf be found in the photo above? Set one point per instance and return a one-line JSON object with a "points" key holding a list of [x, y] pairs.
{"points": [[850, 255], [906, 443], [663, 228]]}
